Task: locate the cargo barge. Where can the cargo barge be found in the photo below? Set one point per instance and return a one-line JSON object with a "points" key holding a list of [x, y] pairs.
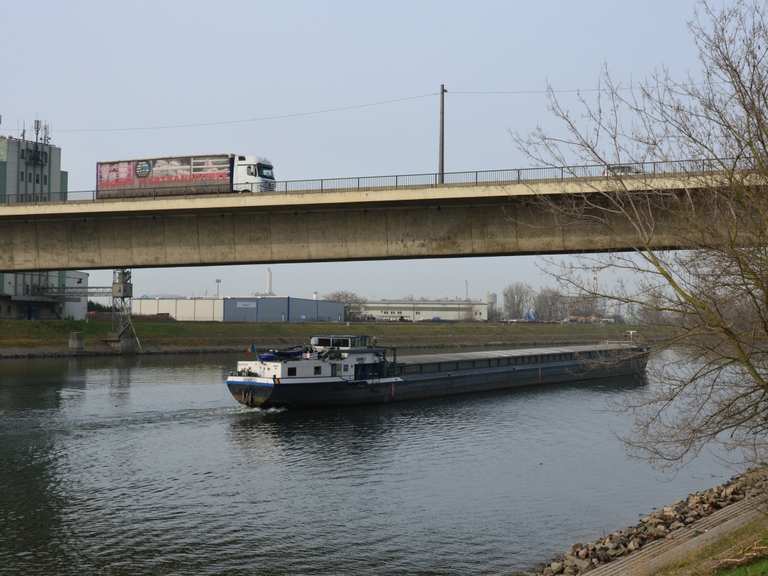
{"points": [[336, 370]]}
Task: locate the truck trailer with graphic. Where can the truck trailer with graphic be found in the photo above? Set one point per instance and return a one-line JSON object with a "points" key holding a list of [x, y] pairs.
{"points": [[183, 176]]}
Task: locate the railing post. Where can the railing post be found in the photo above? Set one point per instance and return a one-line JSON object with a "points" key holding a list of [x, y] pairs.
{"points": [[322, 182], [475, 177], [396, 177], [358, 182]]}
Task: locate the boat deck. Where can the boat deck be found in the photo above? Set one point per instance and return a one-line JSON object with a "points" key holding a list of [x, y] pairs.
{"points": [[517, 352]]}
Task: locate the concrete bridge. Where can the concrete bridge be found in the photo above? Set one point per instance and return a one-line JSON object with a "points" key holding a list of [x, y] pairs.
{"points": [[472, 218]]}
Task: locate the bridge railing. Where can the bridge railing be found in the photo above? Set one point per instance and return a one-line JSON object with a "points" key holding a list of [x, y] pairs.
{"points": [[425, 180]]}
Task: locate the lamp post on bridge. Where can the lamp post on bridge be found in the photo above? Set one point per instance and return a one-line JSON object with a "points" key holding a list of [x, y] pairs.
{"points": [[441, 164]]}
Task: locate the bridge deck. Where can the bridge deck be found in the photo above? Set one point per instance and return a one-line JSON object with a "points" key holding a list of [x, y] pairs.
{"points": [[332, 198]]}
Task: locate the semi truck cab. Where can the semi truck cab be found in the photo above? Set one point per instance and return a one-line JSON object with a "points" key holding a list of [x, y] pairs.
{"points": [[252, 174]]}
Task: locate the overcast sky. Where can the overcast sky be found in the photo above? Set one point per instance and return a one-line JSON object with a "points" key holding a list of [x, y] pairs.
{"points": [[99, 65]]}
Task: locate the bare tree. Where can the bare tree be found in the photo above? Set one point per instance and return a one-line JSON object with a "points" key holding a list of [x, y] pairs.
{"points": [[550, 305], [518, 298], [685, 168], [352, 303]]}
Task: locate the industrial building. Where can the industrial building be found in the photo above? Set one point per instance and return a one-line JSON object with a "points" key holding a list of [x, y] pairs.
{"points": [[423, 310], [247, 309], [30, 171]]}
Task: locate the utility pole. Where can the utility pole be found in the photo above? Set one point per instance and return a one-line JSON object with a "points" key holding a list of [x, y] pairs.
{"points": [[441, 166]]}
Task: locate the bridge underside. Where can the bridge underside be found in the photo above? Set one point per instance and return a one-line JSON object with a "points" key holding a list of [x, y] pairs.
{"points": [[499, 226]]}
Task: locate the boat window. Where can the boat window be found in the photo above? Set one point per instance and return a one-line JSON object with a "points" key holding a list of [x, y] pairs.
{"points": [[465, 365], [346, 367], [318, 370], [340, 342], [482, 363], [413, 369], [430, 368], [291, 371]]}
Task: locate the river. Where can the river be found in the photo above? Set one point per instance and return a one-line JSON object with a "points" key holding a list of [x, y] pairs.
{"points": [[147, 466]]}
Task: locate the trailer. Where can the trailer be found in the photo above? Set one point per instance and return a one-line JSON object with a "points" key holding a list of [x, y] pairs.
{"points": [[184, 176]]}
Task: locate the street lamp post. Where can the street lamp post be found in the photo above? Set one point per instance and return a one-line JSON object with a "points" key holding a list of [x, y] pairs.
{"points": [[441, 165]]}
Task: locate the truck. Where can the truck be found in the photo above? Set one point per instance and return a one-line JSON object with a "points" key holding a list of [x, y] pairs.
{"points": [[183, 176]]}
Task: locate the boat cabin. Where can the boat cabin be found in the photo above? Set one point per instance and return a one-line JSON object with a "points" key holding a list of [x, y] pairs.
{"points": [[336, 357]]}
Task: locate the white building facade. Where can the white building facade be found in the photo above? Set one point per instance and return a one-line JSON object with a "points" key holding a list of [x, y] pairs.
{"points": [[424, 310]]}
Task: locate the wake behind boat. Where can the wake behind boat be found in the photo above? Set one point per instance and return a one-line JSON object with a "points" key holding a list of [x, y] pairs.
{"points": [[336, 370]]}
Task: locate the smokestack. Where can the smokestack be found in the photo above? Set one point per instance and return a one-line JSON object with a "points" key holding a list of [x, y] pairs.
{"points": [[314, 295], [269, 281]]}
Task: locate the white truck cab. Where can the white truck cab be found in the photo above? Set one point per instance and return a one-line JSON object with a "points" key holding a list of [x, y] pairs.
{"points": [[252, 174]]}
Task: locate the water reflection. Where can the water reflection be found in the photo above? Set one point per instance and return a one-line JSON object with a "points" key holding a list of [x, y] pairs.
{"points": [[359, 429]]}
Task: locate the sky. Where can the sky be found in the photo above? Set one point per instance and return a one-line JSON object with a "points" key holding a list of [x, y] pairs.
{"points": [[103, 73]]}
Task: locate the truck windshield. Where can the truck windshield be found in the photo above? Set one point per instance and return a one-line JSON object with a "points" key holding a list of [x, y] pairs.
{"points": [[266, 171]]}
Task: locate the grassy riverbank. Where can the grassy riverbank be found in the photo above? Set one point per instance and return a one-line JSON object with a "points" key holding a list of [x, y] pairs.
{"points": [[20, 334], [705, 562]]}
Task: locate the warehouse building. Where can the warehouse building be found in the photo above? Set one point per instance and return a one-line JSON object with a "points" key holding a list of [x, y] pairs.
{"points": [[248, 309], [30, 171], [423, 310]]}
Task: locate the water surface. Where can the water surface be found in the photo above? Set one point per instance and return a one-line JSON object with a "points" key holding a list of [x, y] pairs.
{"points": [[147, 466]]}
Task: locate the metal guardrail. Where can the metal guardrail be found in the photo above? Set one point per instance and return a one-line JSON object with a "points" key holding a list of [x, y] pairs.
{"points": [[427, 180]]}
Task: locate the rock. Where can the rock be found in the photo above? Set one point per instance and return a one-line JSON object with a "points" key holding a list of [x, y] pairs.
{"points": [[556, 567], [583, 553], [616, 552], [676, 525], [570, 571], [583, 565]]}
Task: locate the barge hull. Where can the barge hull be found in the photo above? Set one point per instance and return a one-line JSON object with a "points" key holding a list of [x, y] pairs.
{"points": [[421, 386]]}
